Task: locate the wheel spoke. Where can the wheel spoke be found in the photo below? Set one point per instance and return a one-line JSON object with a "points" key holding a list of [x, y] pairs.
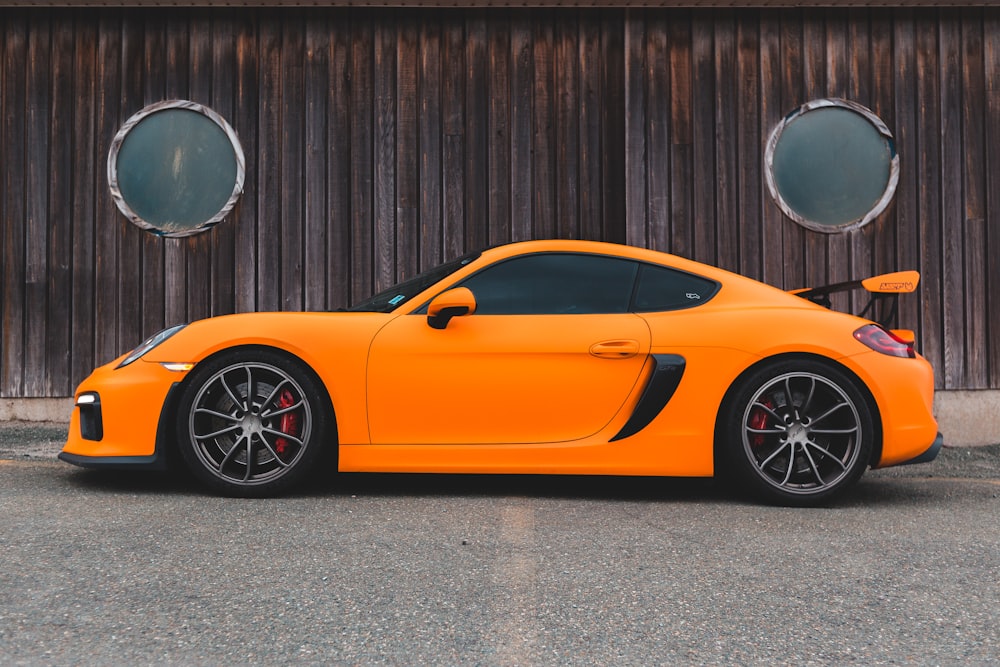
{"points": [[220, 415], [834, 431], [216, 434], [273, 452], [829, 412], [766, 431], [270, 397], [791, 466], [812, 464], [275, 413], [788, 396], [230, 453], [809, 397], [769, 411], [240, 404], [763, 464], [251, 392], [246, 475], [827, 454], [284, 435]]}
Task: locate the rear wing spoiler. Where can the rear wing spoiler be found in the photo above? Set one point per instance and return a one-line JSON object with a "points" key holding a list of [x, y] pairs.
{"points": [[880, 287]]}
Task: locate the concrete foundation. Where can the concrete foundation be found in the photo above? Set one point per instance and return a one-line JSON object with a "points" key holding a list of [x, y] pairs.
{"points": [[966, 418]]}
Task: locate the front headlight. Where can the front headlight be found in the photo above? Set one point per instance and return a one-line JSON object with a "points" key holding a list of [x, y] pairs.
{"points": [[149, 344]]}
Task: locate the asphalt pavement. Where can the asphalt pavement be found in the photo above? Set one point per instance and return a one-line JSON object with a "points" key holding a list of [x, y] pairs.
{"points": [[113, 569]]}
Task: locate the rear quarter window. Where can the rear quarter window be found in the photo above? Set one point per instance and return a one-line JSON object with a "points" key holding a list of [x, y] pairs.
{"points": [[661, 289]]}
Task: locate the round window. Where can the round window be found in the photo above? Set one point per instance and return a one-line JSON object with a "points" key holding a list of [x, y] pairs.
{"points": [[831, 165], [176, 168]]}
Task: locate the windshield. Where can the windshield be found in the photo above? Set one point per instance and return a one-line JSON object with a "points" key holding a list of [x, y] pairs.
{"points": [[394, 297]]}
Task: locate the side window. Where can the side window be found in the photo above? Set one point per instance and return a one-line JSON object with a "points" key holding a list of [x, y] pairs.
{"points": [[554, 284], [666, 289]]}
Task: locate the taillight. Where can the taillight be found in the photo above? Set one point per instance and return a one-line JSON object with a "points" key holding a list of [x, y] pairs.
{"points": [[885, 342]]}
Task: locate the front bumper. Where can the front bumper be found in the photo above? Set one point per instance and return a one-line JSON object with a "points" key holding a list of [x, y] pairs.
{"points": [[125, 420]]}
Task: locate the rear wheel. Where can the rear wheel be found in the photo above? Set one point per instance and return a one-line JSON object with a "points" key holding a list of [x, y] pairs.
{"points": [[251, 423], [797, 433]]}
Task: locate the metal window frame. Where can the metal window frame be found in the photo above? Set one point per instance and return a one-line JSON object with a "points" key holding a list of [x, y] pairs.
{"points": [[880, 127], [132, 122]]}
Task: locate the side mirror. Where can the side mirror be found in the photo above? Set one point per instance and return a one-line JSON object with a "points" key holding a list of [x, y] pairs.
{"points": [[453, 303]]}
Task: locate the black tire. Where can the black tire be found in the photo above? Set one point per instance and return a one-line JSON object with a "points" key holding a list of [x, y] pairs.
{"points": [[796, 432], [251, 423]]}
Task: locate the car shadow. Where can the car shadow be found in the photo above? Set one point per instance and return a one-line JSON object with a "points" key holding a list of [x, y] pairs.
{"points": [[867, 493], [176, 482]]}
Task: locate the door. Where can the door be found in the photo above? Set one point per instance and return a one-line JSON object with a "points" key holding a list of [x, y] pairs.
{"points": [[533, 364]]}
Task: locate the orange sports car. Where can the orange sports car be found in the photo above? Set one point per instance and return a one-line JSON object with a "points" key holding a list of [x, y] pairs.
{"points": [[551, 357]]}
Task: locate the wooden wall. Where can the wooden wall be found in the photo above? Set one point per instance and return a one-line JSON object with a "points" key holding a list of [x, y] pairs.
{"points": [[382, 142]]}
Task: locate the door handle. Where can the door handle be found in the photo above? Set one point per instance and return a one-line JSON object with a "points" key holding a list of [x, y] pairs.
{"points": [[615, 349]]}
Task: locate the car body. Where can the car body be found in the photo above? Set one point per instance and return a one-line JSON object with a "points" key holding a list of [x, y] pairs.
{"points": [[551, 357]]}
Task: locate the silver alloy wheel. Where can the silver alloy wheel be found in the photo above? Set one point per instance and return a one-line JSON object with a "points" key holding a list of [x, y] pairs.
{"points": [[801, 433], [250, 423]]}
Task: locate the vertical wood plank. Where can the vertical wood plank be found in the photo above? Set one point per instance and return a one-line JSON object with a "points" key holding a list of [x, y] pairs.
{"points": [[952, 208], [636, 193], [270, 245], [476, 133], [15, 55], [109, 222], [975, 235], [129, 260], [198, 250], [498, 128], [339, 271], [86, 179], [56, 380], [316, 223], [176, 87], [384, 130], [544, 169], [681, 166], [522, 78], [362, 205], [566, 118], [591, 99], [36, 210], [453, 119], [814, 86], [290, 87], [703, 135], [792, 96], [928, 157], [838, 247], [246, 123], [907, 212], [727, 252], [750, 177], [658, 85], [771, 111], [429, 128], [862, 65], [613, 102], [991, 26], [222, 99], [154, 90], [407, 164]]}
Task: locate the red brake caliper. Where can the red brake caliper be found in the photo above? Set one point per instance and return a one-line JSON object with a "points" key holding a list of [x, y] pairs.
{"points": [[289, 421], [758, 420]]}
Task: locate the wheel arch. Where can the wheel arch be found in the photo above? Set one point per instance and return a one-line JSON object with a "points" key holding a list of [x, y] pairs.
{"points": [[797, 356], [166, 437]]}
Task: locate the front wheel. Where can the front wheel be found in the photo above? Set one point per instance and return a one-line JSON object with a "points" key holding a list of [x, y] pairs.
{"points": [[797, 433], [251, 423]]}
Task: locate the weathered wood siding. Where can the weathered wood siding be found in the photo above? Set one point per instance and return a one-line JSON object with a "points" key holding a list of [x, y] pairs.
{"points": [[379, 143]]}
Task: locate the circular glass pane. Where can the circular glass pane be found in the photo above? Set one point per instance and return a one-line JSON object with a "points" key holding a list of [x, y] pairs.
{"points": [[831, 165], [176, 168]]}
